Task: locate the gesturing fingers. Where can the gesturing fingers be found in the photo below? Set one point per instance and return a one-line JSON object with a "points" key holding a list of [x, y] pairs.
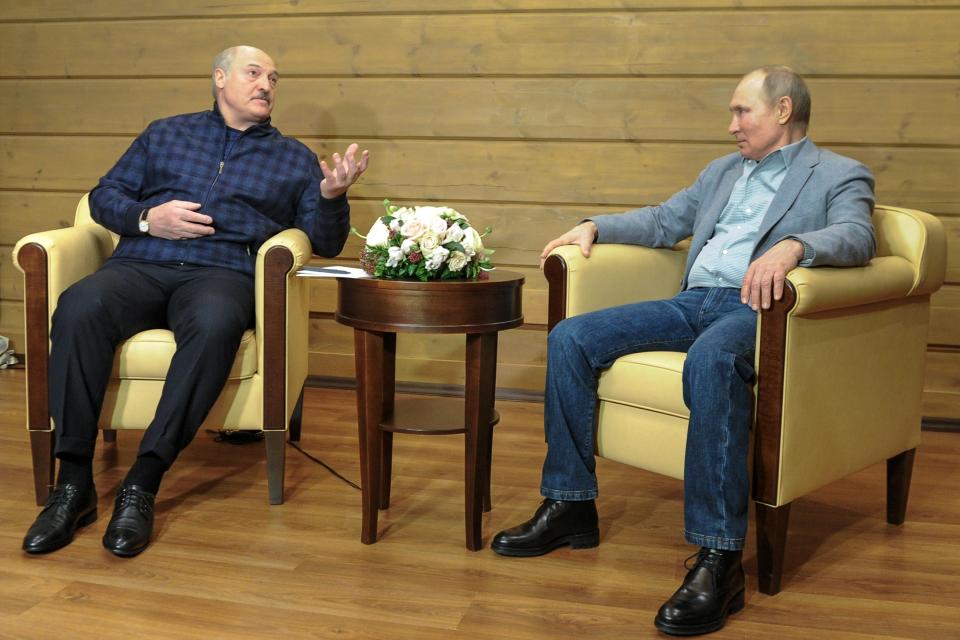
{"points": [[344, 172]]}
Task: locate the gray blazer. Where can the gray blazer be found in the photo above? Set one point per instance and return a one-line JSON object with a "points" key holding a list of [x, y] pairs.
{"points": [[825, 201]]}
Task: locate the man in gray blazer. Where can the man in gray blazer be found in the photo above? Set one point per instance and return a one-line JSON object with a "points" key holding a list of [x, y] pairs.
{"points": [[754, 215]]}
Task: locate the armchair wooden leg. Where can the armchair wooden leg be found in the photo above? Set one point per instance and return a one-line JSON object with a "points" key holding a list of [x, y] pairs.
{"points": [[296, 418], [276, 458], [109, 435], [899, 472], [41, 448], [771, 546]]}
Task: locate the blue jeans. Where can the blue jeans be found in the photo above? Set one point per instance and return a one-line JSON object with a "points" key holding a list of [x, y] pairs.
{"points": [[718, 333]]}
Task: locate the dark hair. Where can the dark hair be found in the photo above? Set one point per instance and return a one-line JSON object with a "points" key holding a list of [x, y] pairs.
{"points": [[779, 81]]}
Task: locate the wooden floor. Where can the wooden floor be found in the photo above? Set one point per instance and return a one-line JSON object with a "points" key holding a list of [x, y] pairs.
{"points": [[225, 564]]}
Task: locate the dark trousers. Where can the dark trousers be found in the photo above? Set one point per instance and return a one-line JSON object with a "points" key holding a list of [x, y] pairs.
{"points": [[207, 308]]}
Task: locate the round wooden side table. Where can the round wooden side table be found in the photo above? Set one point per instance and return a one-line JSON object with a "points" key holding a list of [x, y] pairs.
{"points": [[379, 309]]}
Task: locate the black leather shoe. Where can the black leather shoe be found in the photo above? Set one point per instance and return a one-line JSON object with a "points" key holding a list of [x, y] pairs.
{"points": [[132, 522], [68, 508], [712, 590], [556, 523]]}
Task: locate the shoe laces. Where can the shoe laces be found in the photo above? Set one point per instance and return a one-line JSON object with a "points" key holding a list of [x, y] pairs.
{"points": [[703, 557], [61, 495], [127, 497]]}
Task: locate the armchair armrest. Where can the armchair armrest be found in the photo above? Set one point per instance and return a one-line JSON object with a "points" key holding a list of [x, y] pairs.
{"points": [[61, 257], [282, 322], [614, 274], [50, 262], [825, 288]]}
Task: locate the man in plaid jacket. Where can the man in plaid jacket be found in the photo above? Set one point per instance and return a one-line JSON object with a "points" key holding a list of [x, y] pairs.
{"points": [[192, 200]]}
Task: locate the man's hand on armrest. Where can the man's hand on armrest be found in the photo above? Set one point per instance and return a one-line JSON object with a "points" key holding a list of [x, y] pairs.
{"points": [[764, 278], [584, 234]]}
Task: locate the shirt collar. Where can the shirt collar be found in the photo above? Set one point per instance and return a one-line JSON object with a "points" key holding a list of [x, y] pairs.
{"points": [[261, 126], [787, 154]]}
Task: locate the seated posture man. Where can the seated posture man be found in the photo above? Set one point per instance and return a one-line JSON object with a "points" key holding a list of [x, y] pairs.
{"points": [[754, 215], [193, 198]]}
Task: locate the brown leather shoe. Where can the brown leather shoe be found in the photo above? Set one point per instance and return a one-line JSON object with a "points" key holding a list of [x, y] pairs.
{"points": [[712, 590], [555, 524], [67, 509]]}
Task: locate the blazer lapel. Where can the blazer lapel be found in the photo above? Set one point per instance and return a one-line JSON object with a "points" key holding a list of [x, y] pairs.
{"points": [[797, 175]]}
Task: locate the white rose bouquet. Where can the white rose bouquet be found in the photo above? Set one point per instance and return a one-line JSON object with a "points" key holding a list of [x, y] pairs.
{"points": [[424, 243]]}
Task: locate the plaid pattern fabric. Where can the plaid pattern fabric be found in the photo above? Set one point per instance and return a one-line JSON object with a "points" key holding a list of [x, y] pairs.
{"points": [[265, 183]]}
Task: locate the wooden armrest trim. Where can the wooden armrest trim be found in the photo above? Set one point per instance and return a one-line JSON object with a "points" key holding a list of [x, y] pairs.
{"points": [[555, 270], [33, 260], [277, 264], [770, 370]]}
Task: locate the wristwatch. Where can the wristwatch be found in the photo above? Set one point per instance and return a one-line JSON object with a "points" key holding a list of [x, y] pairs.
{"points": [[143, 224]]}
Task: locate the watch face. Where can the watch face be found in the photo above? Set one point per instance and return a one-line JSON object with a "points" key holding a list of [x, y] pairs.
{"points": [[144, 226]]}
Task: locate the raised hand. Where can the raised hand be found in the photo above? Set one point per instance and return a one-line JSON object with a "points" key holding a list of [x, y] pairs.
{"points": [[344, 173], [178, 220]]}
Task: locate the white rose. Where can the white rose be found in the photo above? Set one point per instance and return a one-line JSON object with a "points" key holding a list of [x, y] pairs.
{"points": [[436, 259], [458, 260], [429, 242], [407, 246], [378, 235], [395, 224], [394, 256], [453, 234], [430, 216], [472, 244], [413, 228]]}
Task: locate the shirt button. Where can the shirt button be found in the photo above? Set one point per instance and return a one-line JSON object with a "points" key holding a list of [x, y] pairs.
{"points": [[724, 252], [739, 227], [748, 210]]}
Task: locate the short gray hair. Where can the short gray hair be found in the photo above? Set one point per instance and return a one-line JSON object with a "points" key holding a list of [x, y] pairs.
{"points": [[224, 60], [780, 80]]}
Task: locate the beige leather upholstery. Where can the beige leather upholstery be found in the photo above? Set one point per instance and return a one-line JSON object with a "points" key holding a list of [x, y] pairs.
{"points": [[851, 357], [142, 361]]}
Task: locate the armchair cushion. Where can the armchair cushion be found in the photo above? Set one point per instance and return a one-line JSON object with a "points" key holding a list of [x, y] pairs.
{"points": [[147, 355]]}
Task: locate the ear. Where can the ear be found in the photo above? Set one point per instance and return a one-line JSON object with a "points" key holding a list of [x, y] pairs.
{"points": [[784, 109], [219, 77]]}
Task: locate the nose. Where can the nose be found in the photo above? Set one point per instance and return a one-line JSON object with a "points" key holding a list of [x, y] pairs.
{"points": [[734, 125]]}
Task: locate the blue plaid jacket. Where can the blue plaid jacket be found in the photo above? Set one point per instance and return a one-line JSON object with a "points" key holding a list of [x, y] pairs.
{"points": [[265, 183]]}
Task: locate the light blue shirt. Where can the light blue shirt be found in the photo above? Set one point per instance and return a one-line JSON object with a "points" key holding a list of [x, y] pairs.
{"points": [[724, 259]]}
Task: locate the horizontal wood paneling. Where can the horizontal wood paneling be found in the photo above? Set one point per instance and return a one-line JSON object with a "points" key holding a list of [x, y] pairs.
{"points": [[898, 111], [941, 398], [11, 323], [542, 172], [945, 316], [67, 9], [878, 42], [526, 115]]}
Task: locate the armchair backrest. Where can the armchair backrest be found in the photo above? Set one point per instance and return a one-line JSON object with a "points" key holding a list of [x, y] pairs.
{"points": [[83, 216]]}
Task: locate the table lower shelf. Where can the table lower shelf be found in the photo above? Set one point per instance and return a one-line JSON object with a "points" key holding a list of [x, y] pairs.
{"points": [[429, 416]]}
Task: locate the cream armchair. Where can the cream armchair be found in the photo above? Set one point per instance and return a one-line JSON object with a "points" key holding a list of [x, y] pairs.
{"points": [[265, 385], [840, 364]]}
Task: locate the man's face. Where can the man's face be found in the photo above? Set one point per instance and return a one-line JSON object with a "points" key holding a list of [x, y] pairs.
{"points": [[248, 90], [758, 127]]}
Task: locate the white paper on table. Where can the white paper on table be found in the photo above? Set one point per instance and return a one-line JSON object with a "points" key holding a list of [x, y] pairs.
{"points": [[334, 271]]}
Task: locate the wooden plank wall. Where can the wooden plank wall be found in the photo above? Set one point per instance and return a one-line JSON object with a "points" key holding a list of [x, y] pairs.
{"points": [[526, 115]]}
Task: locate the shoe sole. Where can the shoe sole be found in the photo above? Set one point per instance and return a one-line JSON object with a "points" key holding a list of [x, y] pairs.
{"points": [[735, 605], [128, 553], [578, 541], [84, 520]]}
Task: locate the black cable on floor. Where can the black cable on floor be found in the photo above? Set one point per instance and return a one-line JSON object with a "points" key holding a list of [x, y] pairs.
{"points": [[240, 436], [324, 465]]}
